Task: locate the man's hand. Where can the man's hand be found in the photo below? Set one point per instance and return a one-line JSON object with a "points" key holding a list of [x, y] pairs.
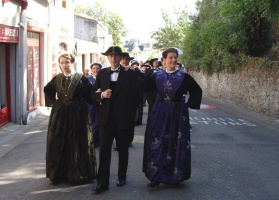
{"points": [[127, 68], [106, 94]]}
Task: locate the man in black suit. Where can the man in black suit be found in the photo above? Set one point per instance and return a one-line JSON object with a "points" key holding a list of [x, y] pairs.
{"points": [[118, 100], [125, 61]]}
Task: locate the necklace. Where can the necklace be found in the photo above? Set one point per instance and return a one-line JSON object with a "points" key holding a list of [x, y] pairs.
{"points": [[68, 86]]}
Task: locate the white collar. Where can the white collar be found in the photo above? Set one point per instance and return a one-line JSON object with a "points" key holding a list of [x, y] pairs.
{"points": [[170, 72], [68, 75]]}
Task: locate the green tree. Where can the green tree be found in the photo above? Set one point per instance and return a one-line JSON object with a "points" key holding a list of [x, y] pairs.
{"points": [[211, 43], [226, 32], [257, 18], [115, 24], [173, 32]]}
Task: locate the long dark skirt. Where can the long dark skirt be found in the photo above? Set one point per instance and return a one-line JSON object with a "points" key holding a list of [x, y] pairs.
{"points": [[70, 154], [167, 150]]}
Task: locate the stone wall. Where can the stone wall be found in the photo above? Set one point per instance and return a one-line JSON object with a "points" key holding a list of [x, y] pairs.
{"points": [[255, 87]]}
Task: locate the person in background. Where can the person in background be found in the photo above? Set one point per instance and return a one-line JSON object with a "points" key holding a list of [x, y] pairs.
{"points": [[144, 70], [147, 63], [86, 72], [125, 60], [151, 95], [139, 110], [140, 64], [93, 109], [70, 153], [187, 69], [120, 94], [179, 66], [160, 64], [167, 147], [185, 96]]}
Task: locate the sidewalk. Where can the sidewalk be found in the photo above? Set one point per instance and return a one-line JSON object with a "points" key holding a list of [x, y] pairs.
{"points": [[13, 134]]}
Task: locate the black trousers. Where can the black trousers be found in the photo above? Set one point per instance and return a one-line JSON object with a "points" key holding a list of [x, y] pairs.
{"points": [[107, 135], [131, 134]]}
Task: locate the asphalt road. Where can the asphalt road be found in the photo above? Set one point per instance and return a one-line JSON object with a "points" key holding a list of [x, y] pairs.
{"points": [[235, 156]]}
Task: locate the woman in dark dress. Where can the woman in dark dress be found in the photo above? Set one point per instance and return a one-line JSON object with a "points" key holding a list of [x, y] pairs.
{"points": [[70, 154], [93, 109], [167, 150]]}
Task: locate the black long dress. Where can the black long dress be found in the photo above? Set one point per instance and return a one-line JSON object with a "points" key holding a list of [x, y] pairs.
{"points": [[70, 154]]}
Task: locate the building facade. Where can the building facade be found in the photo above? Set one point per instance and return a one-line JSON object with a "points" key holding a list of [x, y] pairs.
{"points": [[91, 38], [32, 35]]}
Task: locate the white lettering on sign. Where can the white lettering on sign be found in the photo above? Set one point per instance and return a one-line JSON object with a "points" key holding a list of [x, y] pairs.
{"points": [[11, 32], [220, 121]]}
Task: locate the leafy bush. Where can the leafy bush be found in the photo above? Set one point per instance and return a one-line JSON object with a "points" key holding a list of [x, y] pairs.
{"points": [[224, 34]]}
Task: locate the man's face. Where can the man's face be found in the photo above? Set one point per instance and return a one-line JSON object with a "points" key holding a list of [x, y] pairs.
{"points": [[125, 61], [143, 68], [114, 60], [155, 63]]}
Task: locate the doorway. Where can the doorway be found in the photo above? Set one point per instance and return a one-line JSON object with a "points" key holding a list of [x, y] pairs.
{"points": [[4, 84], [33, 67]]}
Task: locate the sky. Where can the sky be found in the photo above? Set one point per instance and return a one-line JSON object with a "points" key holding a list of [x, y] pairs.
{"points": [[141, 17]]}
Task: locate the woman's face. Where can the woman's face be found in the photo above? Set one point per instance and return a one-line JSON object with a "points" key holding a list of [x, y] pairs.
{"points": [[170, 61], [95, 69], [65, 65]]}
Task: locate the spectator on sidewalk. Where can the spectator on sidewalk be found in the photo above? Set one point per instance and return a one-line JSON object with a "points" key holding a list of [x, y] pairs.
{"points": [[167, 147], [70, 154]]}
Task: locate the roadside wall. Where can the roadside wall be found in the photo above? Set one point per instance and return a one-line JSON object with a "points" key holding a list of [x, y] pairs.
{"points": [[255, 87]]}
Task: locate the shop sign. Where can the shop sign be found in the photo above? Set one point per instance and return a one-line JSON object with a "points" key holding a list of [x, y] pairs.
{"points": [[34, 25], [9, 34]]}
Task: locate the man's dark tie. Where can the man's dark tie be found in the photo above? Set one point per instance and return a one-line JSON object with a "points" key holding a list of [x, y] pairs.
{"points": [[116, 71]]}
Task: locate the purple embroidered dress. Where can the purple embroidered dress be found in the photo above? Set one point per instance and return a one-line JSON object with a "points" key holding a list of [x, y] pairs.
{"points": [[167, 150]]}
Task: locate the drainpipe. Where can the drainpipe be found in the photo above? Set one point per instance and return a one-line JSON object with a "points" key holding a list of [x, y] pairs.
{"points": [[21, 75]]}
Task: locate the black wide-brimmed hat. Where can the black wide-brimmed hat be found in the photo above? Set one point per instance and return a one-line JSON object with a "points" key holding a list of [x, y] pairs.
{"points": [[113, 50], [127, 55]]}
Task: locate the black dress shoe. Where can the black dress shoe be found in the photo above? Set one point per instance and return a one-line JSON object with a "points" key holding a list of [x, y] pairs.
{"points": [[153, 184], [98, 189], [55, 181], [121, 182]]}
